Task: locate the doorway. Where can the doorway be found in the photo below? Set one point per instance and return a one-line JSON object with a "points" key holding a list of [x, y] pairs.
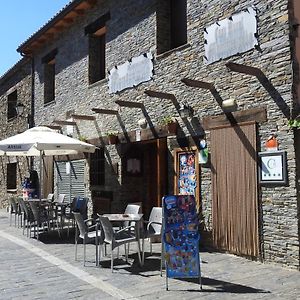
{"points": [[234, 183]]}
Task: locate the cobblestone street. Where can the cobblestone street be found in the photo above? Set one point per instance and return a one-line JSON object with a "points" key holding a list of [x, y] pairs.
{"points": [[46, 269]]}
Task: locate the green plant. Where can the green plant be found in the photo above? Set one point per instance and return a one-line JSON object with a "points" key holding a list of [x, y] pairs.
{"points": [[82, 138], [168, 120], [111, 133], [294, 123]]}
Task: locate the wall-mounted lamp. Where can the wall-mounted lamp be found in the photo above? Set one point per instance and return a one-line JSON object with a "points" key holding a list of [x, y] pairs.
{"points": [[229, 105], [19, 109], [143, 123], [186, 110]]}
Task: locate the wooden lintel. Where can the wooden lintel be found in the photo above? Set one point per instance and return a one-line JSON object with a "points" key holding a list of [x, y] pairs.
{"points": [[62, 122], [256, 114], [244, 69], [129, 104], [160, 95], [105, 111], [198, 84], [83, 117]]}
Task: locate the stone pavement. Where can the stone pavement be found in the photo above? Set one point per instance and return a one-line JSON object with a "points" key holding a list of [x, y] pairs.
{"points": [[46, 269]]}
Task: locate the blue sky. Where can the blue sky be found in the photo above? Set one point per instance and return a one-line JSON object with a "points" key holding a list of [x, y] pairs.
{"points": [[19, 19]]}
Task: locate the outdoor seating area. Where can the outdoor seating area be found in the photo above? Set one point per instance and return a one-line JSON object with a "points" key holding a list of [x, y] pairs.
{"points": [[53, 214]]}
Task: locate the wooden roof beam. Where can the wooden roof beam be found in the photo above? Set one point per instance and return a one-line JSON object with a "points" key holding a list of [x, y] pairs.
{"points": [[79, 12], [63, 122], [83, 117], [160, 95], [244, 69], [54, 127], [198, 84], [130, 104], [105, 111]]}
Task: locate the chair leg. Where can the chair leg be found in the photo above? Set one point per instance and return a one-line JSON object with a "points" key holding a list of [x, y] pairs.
{"points": [[84, 251], [150, 245], [76, 242], [112, 260]]}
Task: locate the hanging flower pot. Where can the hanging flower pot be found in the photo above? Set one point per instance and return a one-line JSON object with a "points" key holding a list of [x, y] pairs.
{"points": [[112, 138], [171, 124]]}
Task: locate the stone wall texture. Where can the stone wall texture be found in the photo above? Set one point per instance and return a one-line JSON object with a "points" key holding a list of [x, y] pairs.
{"points": [[18, 78], [131, 31]]}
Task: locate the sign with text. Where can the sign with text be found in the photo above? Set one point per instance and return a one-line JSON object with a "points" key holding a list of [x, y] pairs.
{"points": [[231, 36], [133, 72]]}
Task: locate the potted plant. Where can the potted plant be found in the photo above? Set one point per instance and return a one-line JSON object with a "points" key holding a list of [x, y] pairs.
{"points": [[112, 137], [171, 124], [294, 123], [82, 138]]}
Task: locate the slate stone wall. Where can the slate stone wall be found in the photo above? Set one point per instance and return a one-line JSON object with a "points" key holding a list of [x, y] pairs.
{"points": [[18, 78], [131, 32]]}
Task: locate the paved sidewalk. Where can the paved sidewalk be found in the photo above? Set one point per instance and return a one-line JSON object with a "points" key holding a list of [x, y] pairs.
{"points": [[45, 269]]}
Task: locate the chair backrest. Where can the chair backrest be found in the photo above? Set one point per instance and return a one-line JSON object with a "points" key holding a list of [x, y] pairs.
{"points": [[83, 229], [35, 210], [156, 216], [132, 209], [107, 229], [61, 198], [13, 205], [50, 197]]}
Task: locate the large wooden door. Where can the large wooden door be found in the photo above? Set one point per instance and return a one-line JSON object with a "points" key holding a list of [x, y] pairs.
{"points": [[234, 180]]}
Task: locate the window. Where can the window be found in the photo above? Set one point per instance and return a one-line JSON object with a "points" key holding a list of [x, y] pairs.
{"points": [[11, 105], [96, 32], [49, 76], [97, 167], [171, 24], [11, 182]]}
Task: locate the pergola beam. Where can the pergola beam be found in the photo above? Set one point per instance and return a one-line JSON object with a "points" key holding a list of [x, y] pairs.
{"points": [[83, 117], [130, 104], [198, 84], [62, 122], [54, 127], [105, 111], [160, 95], [244, 69]]}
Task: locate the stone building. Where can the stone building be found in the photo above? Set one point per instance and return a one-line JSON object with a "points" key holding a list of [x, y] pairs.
{"points": [[227, 71], [15, 89]]}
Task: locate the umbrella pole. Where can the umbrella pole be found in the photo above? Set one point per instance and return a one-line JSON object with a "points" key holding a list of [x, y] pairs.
{"points": [[41, 171]]}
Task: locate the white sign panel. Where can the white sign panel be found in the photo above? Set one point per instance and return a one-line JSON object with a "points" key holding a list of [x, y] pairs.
{"points": [[139, 69], [231, 36]]}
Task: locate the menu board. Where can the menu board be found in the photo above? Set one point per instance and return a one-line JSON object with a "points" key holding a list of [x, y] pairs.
{"points": [[181, 236]]}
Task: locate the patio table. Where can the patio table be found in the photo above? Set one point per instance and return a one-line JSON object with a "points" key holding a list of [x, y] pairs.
{"points": [[137, 218]]}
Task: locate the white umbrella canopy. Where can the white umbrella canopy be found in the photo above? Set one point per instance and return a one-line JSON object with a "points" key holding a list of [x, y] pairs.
{"points": [[44, 141]]}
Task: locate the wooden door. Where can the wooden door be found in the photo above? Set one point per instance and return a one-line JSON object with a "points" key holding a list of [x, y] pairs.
{"points": [[234, 183]]}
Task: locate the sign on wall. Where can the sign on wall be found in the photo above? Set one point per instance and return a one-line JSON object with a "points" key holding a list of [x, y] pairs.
{"points": [[133, 72], [236, 34]]}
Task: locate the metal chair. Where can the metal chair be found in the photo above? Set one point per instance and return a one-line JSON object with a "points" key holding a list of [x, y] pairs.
{"points": [[14, 210], [87, 235], [153, 229], [117, 238], [26, 215]]}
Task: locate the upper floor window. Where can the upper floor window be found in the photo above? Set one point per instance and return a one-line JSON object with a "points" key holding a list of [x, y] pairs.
{"points": [[97, 38], [11, 105], [11, 181], [171, 22], [49, 76], [97, 167]]}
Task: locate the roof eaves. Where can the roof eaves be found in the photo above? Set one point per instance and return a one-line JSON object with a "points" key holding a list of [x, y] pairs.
{"points": [[63, 12]]}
